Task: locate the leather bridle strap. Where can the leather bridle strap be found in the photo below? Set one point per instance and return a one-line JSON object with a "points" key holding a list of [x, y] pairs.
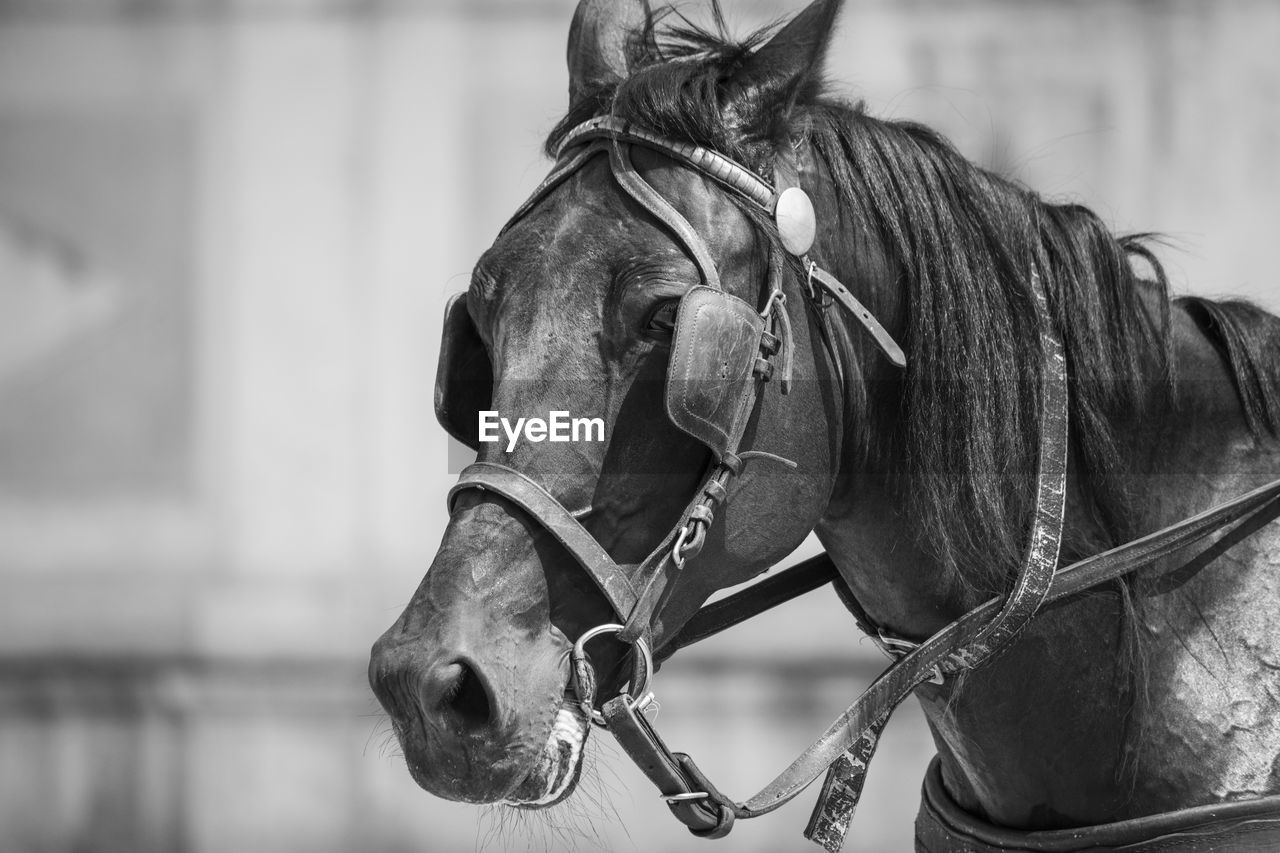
{"points": [[760, 597], [663, 211], [531, 497]]}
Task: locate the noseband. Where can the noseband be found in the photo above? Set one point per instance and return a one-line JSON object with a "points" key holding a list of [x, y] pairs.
{"points": [[761, 340]]}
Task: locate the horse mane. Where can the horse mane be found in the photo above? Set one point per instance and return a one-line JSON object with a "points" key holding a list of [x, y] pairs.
{"points": [[964, 442]]}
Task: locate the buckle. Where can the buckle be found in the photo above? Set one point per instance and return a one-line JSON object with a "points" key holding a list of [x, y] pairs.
{"points": [[689, 543], [820, 301], [898, 648]]}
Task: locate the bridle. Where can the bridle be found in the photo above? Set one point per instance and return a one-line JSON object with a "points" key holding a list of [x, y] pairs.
{"points": [[759, 348]]}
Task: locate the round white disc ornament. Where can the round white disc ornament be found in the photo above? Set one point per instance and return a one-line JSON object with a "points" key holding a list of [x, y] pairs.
{"points": [[797, 223]]}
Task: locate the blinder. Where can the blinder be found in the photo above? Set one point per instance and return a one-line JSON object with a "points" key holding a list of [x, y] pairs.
{"points": [[464, 375], [713, 355]]}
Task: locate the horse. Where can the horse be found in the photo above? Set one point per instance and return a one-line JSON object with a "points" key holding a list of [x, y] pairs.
{"points": [[1048, 403]]}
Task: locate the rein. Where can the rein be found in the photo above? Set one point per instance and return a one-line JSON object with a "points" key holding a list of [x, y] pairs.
{"points": [[635, 592]]}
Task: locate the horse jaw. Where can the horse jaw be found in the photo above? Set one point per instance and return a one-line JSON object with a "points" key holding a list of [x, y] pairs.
{"points": [[557, 769]]}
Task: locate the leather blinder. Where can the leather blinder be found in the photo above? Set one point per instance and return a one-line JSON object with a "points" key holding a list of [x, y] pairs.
{"points": [[464, 375], [717, 341]]}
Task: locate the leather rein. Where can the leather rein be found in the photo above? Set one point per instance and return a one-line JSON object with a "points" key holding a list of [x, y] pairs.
{"points": [[635, 592]]}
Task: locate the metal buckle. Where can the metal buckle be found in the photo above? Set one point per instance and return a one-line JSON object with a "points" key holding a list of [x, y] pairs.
{"points": [[895, 647], [898, 648], [684, 798], [686, 547], [776, 298], [642, 689], [819, 296], [821, 301]]}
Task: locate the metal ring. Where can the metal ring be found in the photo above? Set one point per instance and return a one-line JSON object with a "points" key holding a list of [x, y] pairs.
{"points": [[641, 647]]}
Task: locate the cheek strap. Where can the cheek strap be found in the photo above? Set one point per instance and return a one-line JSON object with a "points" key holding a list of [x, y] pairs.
{"points": [[662, 210]]}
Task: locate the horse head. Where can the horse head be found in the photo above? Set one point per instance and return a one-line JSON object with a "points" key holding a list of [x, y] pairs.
{"points": [[584, 305], [669, 282]]}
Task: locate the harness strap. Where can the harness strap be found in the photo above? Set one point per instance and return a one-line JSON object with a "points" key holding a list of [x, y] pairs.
{"points": [[540, 504], [858, 311], [761, 596], [663, 211]]}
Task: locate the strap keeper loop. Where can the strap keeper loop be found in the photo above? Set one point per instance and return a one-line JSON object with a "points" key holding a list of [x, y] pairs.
{"points": [[763, 368], [702, 514], [715, 491]]}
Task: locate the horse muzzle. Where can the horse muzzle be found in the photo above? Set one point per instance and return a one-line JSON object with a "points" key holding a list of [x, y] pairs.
{"points": [[480, 728]]}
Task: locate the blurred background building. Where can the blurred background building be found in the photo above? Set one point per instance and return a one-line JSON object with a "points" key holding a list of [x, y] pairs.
{"points": [[227, 231]]}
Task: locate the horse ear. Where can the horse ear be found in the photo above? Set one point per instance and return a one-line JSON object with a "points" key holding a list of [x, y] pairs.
{"points": [[788, 67], [598, 42]]}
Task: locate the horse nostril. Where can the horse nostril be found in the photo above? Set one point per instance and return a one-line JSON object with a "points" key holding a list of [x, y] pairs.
{"points": [[464, 693]]}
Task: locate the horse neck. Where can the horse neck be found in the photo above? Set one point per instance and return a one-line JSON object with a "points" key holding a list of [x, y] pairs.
{"points": [[1105, 708]]}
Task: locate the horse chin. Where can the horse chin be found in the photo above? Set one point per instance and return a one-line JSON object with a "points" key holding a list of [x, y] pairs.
{"points": [[557, 769]]}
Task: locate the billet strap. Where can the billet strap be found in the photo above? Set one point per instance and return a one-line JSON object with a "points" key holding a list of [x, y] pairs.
{"points": [[858, 311]]}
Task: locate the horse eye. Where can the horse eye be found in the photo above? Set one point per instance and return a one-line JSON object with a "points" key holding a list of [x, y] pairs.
{"points": [[662, 320]]}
